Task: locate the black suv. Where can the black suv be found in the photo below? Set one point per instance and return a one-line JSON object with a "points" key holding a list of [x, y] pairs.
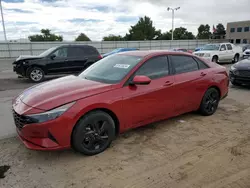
{"points": [[65, 59]]}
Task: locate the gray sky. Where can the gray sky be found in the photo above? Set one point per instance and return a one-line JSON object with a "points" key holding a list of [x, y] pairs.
{"points": [[98, 18]]}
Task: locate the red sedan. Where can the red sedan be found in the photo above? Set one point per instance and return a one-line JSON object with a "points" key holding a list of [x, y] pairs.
{"points": [[117, 93]]}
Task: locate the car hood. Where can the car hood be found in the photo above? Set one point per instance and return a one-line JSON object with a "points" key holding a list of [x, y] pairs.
{"points": [[27, 57], [204, 52], [243, 64], [60, 91]]}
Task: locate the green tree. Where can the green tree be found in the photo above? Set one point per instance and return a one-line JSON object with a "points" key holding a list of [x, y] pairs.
{"points": [[82, 37], [143, 30], [204, 32], [220, 31], [45, 35], [113, 38], [165, 36], [181, 33]]}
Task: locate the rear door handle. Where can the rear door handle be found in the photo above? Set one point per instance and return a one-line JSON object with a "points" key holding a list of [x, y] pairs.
{"points": [[203, 74], [168, 83], [66, 60]]}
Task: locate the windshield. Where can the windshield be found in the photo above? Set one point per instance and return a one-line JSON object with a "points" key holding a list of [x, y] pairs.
{"points": [[47, 52], [211, 47], [111, 69]]}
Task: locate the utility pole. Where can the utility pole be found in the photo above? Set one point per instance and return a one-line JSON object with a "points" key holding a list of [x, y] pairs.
{"points": [[4, 32], [173, 9]]}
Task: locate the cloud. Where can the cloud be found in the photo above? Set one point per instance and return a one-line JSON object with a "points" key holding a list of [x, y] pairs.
{"points": [[98, 18]]}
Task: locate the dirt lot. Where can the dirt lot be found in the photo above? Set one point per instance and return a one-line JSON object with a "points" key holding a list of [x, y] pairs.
{"points": [[187, 151]]}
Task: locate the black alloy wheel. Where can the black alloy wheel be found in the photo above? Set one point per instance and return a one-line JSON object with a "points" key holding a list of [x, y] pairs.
{"points": [[210, 102], [93, 133]]}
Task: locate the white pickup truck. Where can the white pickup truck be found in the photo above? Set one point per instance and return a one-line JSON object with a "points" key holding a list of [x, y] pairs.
{"points": [[221, 52]]}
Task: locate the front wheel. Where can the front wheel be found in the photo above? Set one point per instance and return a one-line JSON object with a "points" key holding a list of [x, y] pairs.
{"points": [[35, 74], [236, 58], [93, 133], [210, 102]]}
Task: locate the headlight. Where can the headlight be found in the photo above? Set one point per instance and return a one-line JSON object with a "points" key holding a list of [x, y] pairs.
{"points": [[50, 115], [206, 55]]}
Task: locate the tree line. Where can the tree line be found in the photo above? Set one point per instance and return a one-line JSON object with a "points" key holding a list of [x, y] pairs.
{"points": [[143, 30]]}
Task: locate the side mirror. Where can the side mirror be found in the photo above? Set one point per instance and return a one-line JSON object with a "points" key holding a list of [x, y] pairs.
{"points": [[222, 49], [53, 56], [141, 80]]}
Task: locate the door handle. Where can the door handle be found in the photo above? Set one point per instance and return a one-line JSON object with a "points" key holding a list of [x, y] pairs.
{"points": [[203, 74], [66, 60], [168, 83]]}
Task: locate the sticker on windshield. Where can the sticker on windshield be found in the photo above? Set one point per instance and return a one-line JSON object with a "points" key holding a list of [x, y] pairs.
{"points": [[122, 66]]}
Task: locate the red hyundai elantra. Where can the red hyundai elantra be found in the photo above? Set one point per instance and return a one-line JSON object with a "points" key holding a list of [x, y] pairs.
{"points": [[117, 93]]}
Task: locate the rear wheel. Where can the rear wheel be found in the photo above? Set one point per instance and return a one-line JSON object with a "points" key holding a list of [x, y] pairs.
{"points": [[215, 59], [236, 58], [210, 102], [93, 133], [35, 74]]}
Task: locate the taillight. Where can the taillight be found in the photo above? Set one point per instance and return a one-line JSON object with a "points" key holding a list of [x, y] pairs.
{"points": [[100, 56]]}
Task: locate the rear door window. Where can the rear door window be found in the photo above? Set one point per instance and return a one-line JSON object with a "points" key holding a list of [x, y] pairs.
{"points": [[183, 64], [229, 47], [75, 52]]}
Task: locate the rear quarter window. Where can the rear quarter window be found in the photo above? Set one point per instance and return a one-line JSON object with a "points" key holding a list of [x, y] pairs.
{"points": [[89, 50]]}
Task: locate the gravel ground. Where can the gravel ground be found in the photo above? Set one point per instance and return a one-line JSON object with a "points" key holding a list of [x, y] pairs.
{"points": [[186, 151]]}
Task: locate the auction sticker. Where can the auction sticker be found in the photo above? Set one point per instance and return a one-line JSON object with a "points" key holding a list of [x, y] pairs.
{"points": [[122, 66]]}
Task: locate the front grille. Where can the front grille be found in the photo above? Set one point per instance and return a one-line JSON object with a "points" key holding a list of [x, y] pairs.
{"points": [[244, 73], [20, 120]]}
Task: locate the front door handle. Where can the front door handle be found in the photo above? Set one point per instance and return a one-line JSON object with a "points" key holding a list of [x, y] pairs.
{"points": [[203, 74], [168, 83], [66, 60]]}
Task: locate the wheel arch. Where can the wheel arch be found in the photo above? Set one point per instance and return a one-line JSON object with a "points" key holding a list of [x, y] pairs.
{"points": [[215, 87], [36, 65], [106, 110]]}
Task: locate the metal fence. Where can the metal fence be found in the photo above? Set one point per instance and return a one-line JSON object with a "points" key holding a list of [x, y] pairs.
{"points": [[12, 50]]}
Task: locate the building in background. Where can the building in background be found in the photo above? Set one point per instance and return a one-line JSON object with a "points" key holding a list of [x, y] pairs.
{"points": [[238, 32]]}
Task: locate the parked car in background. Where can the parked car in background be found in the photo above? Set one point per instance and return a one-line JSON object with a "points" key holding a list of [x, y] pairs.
{"points": [[246, 46], [65, 59], [240, 72], [221, 52], [117, 93], [246, 51], [198, 48], [182, 50], [118, 50]]}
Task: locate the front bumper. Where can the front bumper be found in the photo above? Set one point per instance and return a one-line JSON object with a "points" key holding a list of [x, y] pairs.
{"points": [[19, 69], [239, 78], [50, 135]]}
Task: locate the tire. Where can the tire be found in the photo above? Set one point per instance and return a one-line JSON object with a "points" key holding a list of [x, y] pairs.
{"points": [[236, 58], [215, 59], [35, 74], [93, 133], [210, 102]]}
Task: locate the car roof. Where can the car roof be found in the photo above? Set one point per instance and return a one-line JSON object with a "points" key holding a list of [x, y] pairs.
{"points": [[75, 45], [144, 53]]}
